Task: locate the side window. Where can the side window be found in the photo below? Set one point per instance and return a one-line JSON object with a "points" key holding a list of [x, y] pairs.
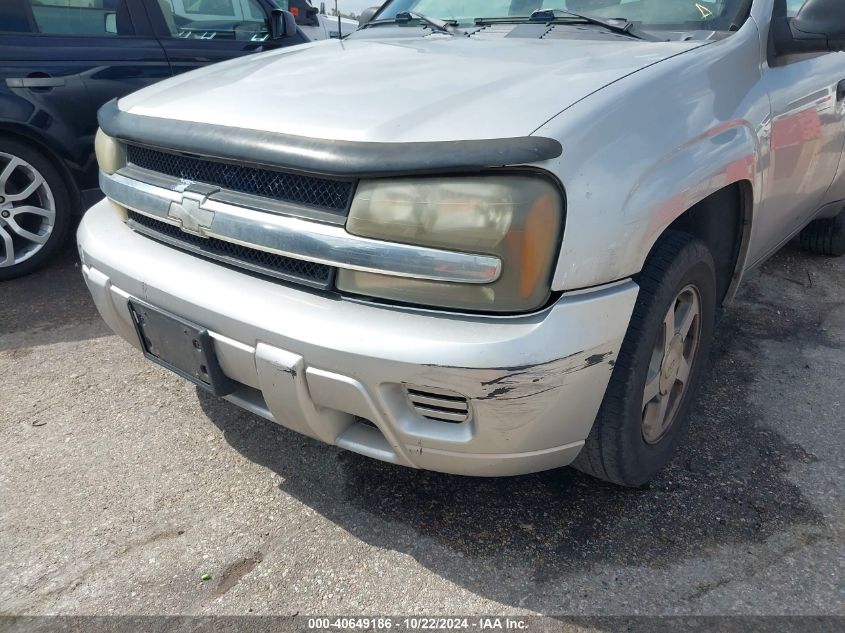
{"points": [[81, 17], [216, 19], [792, 7]]}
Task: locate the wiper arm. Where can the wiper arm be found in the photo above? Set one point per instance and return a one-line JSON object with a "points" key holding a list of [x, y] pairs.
{"points": [[438, 25], [549, 15]]}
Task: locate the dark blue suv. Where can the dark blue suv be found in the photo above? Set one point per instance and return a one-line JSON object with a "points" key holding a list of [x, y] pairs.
{"points": [[60, 60]]}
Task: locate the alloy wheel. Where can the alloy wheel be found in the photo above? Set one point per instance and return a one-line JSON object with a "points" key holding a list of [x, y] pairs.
{"points": [[671, 364], [27, 210]]}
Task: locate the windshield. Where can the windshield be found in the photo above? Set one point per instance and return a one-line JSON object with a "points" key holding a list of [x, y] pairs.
{"points": [[717, 15]]}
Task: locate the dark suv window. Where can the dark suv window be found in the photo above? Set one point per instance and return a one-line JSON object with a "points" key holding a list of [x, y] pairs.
{"points": [[78, 17], [215, 19], [66, 17], [223, 8]]}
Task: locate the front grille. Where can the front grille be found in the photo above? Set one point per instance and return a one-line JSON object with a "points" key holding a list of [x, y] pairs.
{"points": [[278, 266], [439, 405], [310, 191]]}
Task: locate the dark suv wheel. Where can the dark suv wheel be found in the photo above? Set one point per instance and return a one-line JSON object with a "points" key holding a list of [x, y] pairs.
{"points": [[644, 415], [34, 210]]}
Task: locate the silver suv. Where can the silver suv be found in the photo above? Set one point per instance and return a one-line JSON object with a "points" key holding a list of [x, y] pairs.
{"points": [[479, 237]]}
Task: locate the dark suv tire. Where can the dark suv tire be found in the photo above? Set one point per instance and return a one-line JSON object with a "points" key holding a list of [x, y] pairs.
{"points": [[826, 236], [644, 415], [35, 209]]}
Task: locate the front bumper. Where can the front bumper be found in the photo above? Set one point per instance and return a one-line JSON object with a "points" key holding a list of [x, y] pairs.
{"points": [[320, 365]]}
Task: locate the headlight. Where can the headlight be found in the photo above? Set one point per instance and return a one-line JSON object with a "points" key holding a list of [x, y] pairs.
{"points": [[517, 218], [111, 153]]}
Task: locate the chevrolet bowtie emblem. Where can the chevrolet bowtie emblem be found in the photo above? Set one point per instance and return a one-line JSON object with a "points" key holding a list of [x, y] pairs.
{"points": [[194, 219]]}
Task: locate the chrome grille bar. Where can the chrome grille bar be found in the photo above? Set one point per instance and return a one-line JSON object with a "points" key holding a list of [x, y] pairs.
{"points": [[198, 213], [285, 268]]}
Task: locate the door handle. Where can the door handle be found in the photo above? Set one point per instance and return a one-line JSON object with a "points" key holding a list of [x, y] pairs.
{"points": [[35, 82], [840, 90]]}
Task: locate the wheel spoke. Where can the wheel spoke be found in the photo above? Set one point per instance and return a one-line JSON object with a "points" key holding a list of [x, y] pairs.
{"points": [[651, 421], [683, 371], [48, 214], [668, 328], [687, 318], [662, 406], [27, 235], [652, 389], [31, 188], [8, 170], [9, 248], [654, 419]]}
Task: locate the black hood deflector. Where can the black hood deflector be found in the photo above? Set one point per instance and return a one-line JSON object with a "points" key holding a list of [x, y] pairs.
{"points": [[324, 156]]}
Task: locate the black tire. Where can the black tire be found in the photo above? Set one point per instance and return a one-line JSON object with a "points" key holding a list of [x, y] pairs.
{"points": [[62, 201], [616, 449], [825, 237]]}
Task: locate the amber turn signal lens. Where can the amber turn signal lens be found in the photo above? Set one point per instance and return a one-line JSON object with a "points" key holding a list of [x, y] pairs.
{"points": [[540, 230]]}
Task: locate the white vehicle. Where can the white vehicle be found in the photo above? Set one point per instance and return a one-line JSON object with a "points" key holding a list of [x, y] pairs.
{"points": [[317, 24]]}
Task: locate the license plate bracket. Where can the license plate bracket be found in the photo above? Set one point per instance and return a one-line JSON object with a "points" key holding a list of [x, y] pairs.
{"points": [[179, 345]]}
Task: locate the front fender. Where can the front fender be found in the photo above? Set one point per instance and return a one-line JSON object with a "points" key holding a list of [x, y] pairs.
{"points": [[724, 155], [640, 152]]}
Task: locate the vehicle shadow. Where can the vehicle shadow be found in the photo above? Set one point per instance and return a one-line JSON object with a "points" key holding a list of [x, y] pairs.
{"points": [[727, 485]]}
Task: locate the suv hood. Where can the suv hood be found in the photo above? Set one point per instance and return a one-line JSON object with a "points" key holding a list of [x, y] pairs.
{"points": [[438, 88]]}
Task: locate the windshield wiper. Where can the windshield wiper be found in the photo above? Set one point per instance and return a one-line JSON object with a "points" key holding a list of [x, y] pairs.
{"points": [[549, 15], [438, 25]]}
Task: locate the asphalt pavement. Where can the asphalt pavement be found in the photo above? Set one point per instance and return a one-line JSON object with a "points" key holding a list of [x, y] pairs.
{"points": [[123, 487]]}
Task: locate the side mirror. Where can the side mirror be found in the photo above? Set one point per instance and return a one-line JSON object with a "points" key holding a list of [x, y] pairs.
{"points": [[367, 15], [303, 12], [282, 24], [818, 27], [311, 19]]}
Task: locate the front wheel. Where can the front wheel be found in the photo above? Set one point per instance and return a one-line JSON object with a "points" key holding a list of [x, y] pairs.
{"points": [[34, 210], [644, 415]]}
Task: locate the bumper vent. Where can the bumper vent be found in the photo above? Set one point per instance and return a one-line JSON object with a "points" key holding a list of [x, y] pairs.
{"points": [[310, 191], [278, 266], [438, 404]]}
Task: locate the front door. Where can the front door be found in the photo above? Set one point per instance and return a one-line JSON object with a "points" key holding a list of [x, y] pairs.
{"points": [[807, 134]]}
